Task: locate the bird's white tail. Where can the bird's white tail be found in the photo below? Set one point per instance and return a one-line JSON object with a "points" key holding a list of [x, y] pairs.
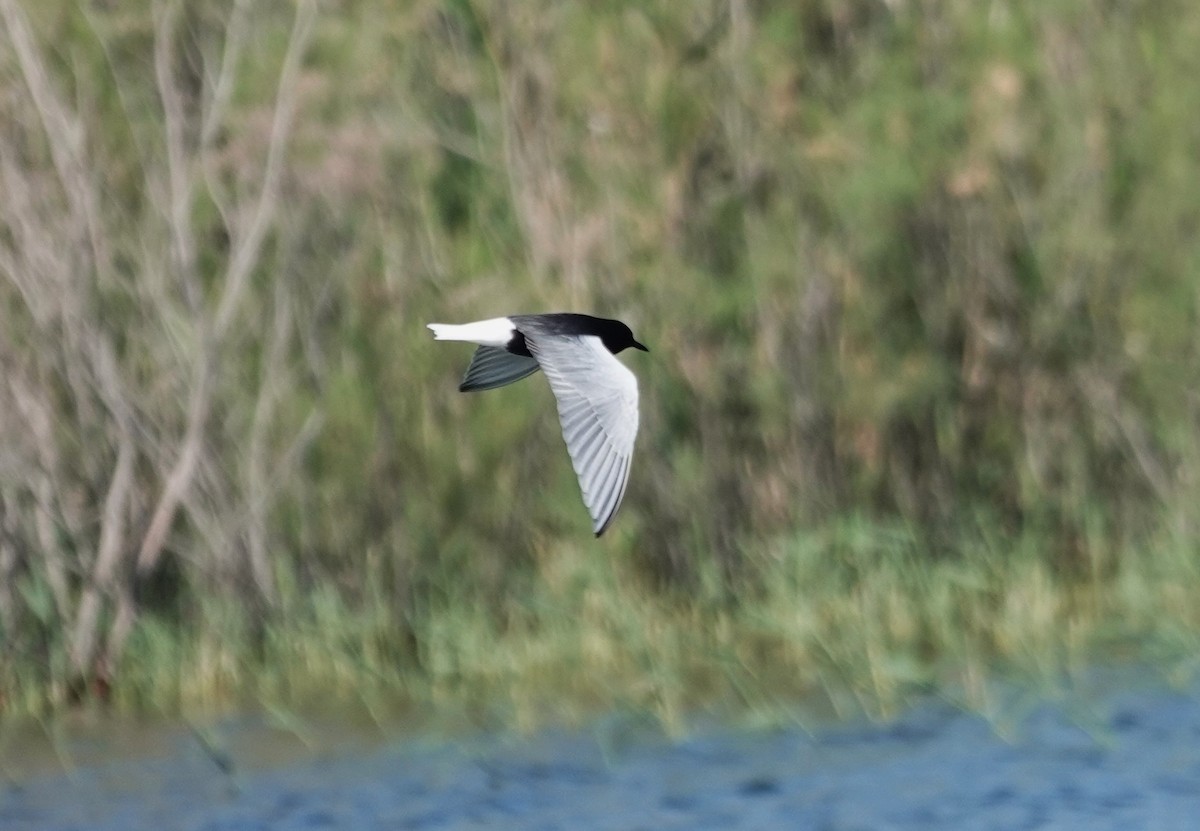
{"points": [[496, 331]]}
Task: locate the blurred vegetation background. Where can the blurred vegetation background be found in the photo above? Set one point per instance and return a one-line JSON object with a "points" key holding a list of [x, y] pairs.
{"points": [[920, 282]]}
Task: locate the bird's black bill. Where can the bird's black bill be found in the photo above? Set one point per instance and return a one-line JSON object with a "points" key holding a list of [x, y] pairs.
{"points": [[637, 345]]}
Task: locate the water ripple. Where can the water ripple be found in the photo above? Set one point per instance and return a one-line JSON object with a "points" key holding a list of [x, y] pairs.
{"points": [[1133, 763]]}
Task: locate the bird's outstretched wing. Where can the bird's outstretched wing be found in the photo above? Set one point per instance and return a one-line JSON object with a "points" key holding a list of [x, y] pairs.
{"points": [[491, 367], [598, 407]]}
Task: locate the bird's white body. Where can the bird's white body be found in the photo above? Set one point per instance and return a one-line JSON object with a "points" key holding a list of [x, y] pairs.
{"points": [[495, 331]]}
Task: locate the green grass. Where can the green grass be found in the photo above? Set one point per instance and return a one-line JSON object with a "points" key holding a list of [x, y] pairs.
{"points": [[855, 615]]}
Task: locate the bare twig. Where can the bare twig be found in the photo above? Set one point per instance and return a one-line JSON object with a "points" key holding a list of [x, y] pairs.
{"points": [[113, 546], [246, 252], [272, 379], [112, 415]]}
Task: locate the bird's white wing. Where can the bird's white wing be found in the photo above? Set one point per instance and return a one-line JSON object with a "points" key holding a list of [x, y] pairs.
{"points": [[598, 407]]}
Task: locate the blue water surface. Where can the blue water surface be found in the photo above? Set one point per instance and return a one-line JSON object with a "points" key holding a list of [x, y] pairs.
{"points": [[1128, 761]]}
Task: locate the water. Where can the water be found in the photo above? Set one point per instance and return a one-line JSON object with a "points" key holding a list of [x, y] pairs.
{"points": [[1121, 760]]}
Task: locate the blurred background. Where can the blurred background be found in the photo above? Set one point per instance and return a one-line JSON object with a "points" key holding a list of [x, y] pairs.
{"points": [[920, 283]]}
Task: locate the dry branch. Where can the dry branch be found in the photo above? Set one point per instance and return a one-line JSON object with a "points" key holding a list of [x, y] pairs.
{"points": [[247, 249], [114, 432]]}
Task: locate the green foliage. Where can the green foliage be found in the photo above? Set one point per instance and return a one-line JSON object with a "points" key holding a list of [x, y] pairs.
{"points": [[920, 286]]}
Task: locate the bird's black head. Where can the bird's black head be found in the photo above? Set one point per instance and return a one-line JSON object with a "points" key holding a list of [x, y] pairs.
{"points": [[619, 336]]}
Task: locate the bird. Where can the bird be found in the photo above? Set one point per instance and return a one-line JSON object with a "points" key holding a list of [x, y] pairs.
{"points": [[596, 395]]}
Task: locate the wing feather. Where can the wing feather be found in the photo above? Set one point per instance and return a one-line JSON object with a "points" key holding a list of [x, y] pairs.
{"points": [[491, 367], [597, 401]]}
